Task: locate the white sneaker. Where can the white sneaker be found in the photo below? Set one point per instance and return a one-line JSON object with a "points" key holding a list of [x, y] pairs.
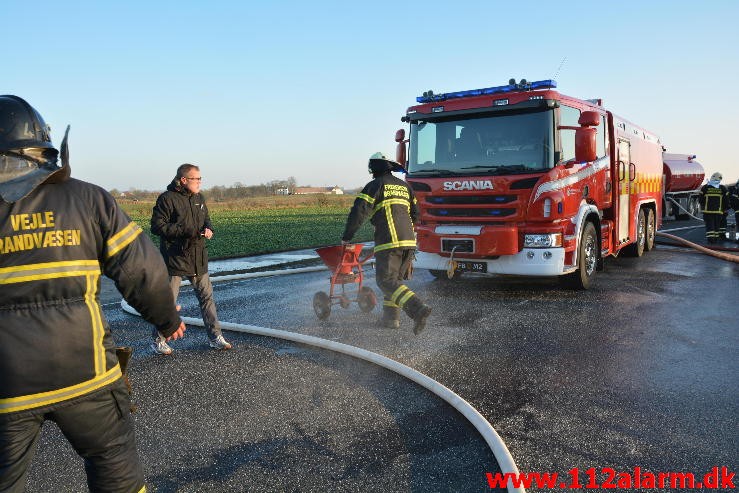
{"points": [[220, 343], [160, 346]]}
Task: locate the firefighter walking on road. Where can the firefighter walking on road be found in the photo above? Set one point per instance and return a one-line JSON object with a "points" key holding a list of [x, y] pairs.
{"points": [[58, 362], [714, 202], [391, 206]]}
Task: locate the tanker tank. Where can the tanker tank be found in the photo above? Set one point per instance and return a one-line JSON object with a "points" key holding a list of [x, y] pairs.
{"points": [[683, 176]]}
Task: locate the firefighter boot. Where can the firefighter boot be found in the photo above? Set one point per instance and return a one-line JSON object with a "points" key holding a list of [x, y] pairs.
{"points": [[390, 317], [419, 312]]}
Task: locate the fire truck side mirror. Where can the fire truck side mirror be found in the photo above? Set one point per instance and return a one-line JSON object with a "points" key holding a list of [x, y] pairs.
{"points": [[585, 145], [589, 119], [400, 150]]}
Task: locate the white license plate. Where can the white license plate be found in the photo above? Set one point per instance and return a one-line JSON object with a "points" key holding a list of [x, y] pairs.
{"points": [[472, 266]]}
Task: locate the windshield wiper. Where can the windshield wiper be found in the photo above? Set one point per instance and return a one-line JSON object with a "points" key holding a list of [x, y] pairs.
{"points": [[502, 168], [436, 171]]}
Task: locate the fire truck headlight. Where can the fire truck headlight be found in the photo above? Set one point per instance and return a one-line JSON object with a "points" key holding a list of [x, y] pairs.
{"points": [[543, 240]]}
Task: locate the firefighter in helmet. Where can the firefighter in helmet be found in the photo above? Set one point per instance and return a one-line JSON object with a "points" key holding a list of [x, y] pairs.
{"points": [[391, 206], [714, 202], [58, 362]]}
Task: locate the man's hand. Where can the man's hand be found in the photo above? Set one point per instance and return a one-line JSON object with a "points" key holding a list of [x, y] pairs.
{"points": [[208, 233], [179, 333]]}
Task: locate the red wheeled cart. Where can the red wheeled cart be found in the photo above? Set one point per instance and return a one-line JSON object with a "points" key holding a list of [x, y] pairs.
{"points": [[346, 267]]}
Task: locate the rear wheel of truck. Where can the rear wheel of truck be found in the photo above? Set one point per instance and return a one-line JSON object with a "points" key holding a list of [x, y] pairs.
{"points": [[694, 206], [651, 230], [636, 249], [587, 260]]}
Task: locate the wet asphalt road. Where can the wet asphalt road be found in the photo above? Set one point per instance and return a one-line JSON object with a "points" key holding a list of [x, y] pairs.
{"points": [[640, 371]]}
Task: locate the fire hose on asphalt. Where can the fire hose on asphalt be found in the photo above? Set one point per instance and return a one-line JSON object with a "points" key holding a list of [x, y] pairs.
{"points": [[491, 437], [708, 251]]}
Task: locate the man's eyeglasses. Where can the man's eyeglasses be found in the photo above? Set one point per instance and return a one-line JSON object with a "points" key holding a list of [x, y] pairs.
{"points": [[193, 179]]}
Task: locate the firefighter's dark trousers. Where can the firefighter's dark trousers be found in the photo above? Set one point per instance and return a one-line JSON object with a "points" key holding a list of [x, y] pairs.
{"points": [[391, 267], [715, 226], [98, 426]]}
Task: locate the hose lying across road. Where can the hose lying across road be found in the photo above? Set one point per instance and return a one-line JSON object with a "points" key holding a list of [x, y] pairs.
{"points": [[491, 437], [708, 251]]}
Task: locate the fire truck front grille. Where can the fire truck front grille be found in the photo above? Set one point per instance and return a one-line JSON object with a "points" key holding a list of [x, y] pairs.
{"points": [[459, 212], [470, 199]]}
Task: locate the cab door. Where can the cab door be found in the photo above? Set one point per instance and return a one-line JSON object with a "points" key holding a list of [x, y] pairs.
{"points": [[624, 189]]}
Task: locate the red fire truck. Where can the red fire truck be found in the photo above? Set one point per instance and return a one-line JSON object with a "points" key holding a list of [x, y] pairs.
{"points": [[520, 179]]}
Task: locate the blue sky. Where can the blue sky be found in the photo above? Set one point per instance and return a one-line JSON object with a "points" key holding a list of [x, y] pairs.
{"points": [[254, 92]]}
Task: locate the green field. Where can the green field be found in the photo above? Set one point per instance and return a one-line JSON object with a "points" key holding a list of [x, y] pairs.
{"points": [[269, 225]]}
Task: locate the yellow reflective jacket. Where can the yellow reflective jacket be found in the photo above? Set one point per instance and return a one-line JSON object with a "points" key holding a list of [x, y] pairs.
{"points": [[392, 208], [55, 243]]}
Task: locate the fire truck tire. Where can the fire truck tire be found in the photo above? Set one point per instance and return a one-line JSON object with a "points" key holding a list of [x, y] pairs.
{"points": [[694, 207], [651, 231], [322, 305], [636, 249], [442, 275], [587, 260], [366, 299]]}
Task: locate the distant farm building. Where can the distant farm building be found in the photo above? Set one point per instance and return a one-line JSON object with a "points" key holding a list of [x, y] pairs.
{"points": [[318, 190], [283, 191]]}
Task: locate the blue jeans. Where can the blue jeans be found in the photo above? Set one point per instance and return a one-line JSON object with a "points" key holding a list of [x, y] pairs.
{"points": [[204, 292]]}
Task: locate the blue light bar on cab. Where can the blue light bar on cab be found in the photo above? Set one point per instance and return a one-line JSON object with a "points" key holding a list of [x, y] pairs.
{"points": [[529, 86]]}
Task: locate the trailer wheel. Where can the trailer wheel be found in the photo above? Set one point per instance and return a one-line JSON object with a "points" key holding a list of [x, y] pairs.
{"points": [[366, 299], [651, 228], [587, 260], [322, 305], [636, 249]]}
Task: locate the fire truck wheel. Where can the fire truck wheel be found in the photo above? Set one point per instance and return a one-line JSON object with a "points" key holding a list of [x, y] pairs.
{"points": [[587, 259], [694, 207], [651, 226], [322, 305], [366, 299], [636, 249], [443, 276]]}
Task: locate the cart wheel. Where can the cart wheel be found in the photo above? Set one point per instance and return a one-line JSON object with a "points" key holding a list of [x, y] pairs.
{"points": [[366, 299], [344, 302], [322, 305]]}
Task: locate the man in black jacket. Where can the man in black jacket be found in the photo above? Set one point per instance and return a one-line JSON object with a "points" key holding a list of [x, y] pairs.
{"points": [[180, 218], [58, 236], [392, 207]]}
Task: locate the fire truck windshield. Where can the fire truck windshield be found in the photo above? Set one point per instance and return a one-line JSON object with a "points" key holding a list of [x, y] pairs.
{"points": [[506, 143]]}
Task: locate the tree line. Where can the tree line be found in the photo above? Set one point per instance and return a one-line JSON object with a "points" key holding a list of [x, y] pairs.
{"points": [[218, 193]]}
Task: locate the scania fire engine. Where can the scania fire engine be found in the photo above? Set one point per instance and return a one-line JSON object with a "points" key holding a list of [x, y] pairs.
{"points": [[520, 179]]}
